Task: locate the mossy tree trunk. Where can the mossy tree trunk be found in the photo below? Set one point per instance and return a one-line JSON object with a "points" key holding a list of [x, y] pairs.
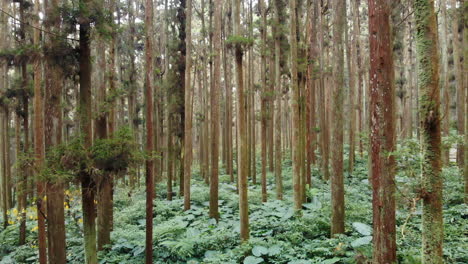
{"points": [[429, 103]]}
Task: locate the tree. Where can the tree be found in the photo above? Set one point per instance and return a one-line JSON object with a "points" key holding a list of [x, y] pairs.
{"points": [[216, 87], [149, 180], [429, 103], [382, 134], [458, 66], [39, 150], [337, 185], [88, 186], [188, 108], [242, 129], [53, 130], [296, 146], [263, 106], [279, 93]]}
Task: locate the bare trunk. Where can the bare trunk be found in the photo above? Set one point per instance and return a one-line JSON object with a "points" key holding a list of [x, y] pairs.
{"points": [[382, 134]]}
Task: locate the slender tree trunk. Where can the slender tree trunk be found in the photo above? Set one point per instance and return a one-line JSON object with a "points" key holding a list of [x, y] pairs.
{"points": [[149, 179], [324, 133], [188, 107], [263, 138], [216, 87], [337, 185], [88, 186], [445, 81], [460, 89], [428, 83], [296, 143], [242, 130], [39, 150], [382, 134], [278, 99]]}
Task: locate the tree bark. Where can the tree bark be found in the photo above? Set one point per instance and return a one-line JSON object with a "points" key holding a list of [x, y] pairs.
{"points": [[296, 142], [242, 130], [215, 92], [188, 107], [149, 179], [337, 185], [382, 134], [429, 103]]}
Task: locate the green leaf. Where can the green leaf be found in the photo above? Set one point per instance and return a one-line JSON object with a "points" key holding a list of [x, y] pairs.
{"points": [[331, 261], [259, 250], [252, 260], [362, 229], [274, 250], [300, 261], [361, 241]]}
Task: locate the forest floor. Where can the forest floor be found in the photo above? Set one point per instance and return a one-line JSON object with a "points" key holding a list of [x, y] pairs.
{"points": [[278, 235]]}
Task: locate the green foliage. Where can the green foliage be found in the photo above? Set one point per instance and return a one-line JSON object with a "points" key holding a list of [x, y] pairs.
{"points": [[277, 234], [66, 161], [241, 42], [116, 153]]}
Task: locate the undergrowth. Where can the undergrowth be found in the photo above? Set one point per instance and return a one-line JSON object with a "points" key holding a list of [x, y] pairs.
{"points": [[278, 235]]}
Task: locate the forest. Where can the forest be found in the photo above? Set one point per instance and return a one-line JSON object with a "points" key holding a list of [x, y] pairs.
{"points": [[233, 131]]}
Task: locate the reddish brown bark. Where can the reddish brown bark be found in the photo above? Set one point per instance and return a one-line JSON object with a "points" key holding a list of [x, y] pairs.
{"points": [[382, 134]]}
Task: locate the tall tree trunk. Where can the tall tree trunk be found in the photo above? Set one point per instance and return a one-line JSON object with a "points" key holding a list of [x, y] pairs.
{"points": [[460, 89], [88, 186], [278, 99], [428, 82], [53, 130], [296, 143], [351, 62], [242, 130], [188, 107], [263, 138], [216, 87], [104, 192], [39, 150], [324, 133], [149, 179], [382, 134], [337, 185], [445, 81]]}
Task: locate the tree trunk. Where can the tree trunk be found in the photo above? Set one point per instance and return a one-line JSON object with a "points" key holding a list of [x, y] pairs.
{"points": [[428, 82], [278, 99], [188, 108], [88, 186], [296, 142], [324, 133], [216, 87], [382, 134], [460, 89], [149, 179], [242, 130], [53, 130], [337, 185], [263, 115]]}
